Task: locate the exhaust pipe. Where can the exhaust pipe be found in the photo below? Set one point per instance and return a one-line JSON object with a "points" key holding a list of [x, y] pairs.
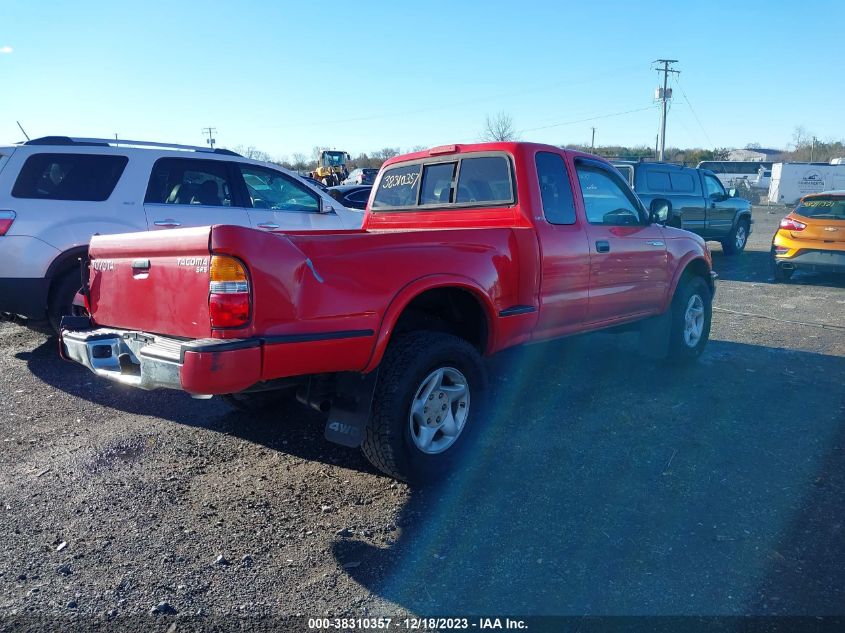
{"points": [[320, 404], [787, 265]]}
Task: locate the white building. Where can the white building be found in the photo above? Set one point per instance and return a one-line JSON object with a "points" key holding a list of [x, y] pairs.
{"points": [[759, 154]]}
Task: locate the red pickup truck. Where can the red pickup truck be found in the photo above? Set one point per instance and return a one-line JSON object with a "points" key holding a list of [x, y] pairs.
{"points": [[465, 250]]}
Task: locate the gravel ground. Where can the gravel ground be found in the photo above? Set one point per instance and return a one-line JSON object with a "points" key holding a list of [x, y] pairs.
{"points": [[605, 484]]}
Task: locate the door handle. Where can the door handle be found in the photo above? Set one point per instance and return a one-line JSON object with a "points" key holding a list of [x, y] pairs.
{"points": [[169, 222], [602, 246], [268, 225]]}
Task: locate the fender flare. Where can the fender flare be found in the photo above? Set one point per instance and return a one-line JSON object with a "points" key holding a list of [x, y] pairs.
{"points": [[411, 291], [741, 215], [679, 272]]}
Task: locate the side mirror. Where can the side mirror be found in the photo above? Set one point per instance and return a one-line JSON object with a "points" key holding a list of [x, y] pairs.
{"points": [[326, 207], [732, 193], [659, 211]]}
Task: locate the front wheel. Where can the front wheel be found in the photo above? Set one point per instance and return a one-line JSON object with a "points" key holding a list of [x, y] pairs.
{"points": [[427, 403], [691, 313], [738, 238]]}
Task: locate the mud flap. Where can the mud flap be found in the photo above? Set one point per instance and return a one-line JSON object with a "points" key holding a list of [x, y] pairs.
{"points": [[351, 406], [654, 335]]}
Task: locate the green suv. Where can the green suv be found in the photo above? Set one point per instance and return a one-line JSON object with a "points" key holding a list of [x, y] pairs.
{"points": [[696, 199]]}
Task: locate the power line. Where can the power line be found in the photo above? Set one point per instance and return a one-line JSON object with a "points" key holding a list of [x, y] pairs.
{"points": [[684, 94], [451, 105], [592, 118]]}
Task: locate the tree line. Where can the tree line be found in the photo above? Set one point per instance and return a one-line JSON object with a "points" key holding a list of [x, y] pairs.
{"points": [[806, 147]]}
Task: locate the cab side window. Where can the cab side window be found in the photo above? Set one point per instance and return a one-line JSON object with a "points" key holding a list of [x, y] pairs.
{"points": [[607, 200], [555, 190], [713, 186]]}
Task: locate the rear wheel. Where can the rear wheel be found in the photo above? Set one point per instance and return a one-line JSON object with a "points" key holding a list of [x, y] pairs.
{"points": [[781, 274], [691, 315], [738, 238], [62, 294], [427, 404]]}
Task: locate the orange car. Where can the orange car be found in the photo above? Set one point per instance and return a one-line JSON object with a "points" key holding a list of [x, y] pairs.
{"points": [[812, 237]]}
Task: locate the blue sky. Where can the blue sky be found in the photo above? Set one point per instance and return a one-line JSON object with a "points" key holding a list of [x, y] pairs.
{"points": [[287, 76]]}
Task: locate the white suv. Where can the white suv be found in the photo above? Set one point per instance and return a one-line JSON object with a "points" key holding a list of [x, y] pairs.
{"points": [[56, 192]]}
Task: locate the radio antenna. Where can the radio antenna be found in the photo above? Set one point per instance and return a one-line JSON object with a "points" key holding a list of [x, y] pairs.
{"points": [[23, 130]]}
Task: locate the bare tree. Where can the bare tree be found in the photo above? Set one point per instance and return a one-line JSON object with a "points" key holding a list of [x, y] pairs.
{"points": [[800, 136], [385, 153], [499, 128], [299, 161], [252, 153]]}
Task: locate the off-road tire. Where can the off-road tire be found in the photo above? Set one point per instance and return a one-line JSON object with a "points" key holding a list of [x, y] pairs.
{"points": [[679, 350], [408, 360], [729, 245], [62, 293]]}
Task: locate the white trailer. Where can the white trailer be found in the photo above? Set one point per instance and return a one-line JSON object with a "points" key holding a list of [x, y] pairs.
{"points": [[791, 181]]}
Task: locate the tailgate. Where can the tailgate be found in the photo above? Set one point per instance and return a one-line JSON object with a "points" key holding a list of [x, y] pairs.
{"points": [[155, 282]]}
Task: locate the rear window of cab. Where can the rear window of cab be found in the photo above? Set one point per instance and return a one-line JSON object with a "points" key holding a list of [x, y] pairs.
{"points": [[466, 181]]}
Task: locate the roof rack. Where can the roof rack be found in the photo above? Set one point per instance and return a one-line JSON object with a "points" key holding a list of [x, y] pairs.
{"points": [[111, 142]]}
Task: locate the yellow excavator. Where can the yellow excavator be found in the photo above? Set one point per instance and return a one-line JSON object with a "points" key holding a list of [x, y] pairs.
{"points": [[331, 167]]}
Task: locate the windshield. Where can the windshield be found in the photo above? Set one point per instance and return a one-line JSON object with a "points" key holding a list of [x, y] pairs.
{"points": [[334, 159], [830, 207]]}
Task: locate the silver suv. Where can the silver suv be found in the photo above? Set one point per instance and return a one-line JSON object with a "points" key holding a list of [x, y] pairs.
{"points": [[56, 192]]}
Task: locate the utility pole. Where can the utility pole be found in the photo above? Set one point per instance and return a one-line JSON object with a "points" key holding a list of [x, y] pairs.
{"points": [[664, 94], [210, 131], [813, 149], [593, 141]]}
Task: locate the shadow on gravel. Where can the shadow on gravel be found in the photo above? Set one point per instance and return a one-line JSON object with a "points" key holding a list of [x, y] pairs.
{"points": [[289, 428], [606, 484], [755, 266]]}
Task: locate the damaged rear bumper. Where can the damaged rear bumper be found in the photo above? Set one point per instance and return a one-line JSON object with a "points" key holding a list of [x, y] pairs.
{"points": [[149, 361]]}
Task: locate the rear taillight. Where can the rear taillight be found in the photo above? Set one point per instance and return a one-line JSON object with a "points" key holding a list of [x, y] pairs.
{"points": [[792, 225], [781, 250], [228, 292], [6, 219]]}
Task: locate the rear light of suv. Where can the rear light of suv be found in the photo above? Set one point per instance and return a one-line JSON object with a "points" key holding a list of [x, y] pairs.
{"points": [[792, 225], [229, 295], [6, 220]]}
